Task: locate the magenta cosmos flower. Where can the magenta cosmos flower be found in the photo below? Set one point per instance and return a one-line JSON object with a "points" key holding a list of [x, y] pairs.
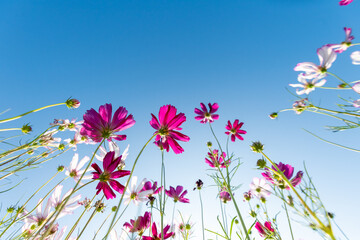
{"points": [[345, 2], [166, 128], [234, 130], [205, 115], [100, 125], [266, 230], [156, 235], [107, 176], [177, 194], [288, 171], [140, 224], [215, 160]]}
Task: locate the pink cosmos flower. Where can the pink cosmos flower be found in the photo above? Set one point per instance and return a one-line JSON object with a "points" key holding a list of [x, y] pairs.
{"points": [[205, 115], [107, 176], [300, 105], [177, 195], [140, 224], [288, 171], [224, 196], [345, 2], [166, 128], [235, 130], [100, 125], [339, 48], [214, 160], [326, 57], [308, 85], [156, 235], [264, 230], [150, 186]]}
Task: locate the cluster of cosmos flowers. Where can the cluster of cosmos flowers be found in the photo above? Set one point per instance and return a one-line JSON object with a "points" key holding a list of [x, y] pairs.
{"points": [[101, 125]]}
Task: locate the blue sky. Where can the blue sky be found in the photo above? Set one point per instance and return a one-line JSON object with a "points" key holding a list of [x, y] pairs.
{"points": [[145, 54]]}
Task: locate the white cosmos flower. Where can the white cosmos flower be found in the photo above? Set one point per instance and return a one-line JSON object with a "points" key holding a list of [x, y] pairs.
{"points": [[75, 171], [355, 57], [70, 206], [308, 85], [113, 147], [134, 193], [260, 188], [326, 57]]}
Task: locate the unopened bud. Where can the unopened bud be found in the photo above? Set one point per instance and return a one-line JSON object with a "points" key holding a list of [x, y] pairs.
{"points": [[257, 147], [342, 85], [61, 146], [209, 144], [72, 103], [273, 115], [261, 163], [253, 213], [60, 168], [10, 209], [26, 128], [114, 208]]}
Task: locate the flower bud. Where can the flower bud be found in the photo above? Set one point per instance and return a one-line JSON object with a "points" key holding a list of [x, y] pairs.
{"points": [[209, 144], [199, 184], [61, 146], [253, 213], [60, 168], [10, 209], [331, 215], [114, 208], [342, 85], [261, 163], [257, 147], [273, 115], [72, 103], [26, 128], [236, 221]]}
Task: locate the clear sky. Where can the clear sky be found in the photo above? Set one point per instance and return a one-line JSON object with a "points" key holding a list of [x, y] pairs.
{"points": [[145, 54]]}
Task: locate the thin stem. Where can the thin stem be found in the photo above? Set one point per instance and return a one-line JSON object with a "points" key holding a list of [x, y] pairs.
{"points": [[9, 129], [36, 110], [212, 131], [101, 225], [288, 218], [337, 112], [162, 200], [202, 216], [126, 185]]}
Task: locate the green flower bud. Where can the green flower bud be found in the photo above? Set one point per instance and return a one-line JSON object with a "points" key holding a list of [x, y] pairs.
{"points": [[261, 163], [209, 144], [273, 115], [72, 103], [257, 147], [26, 128], [60, 168], [114, 208]]}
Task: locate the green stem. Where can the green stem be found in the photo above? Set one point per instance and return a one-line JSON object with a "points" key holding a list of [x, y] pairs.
{"points": [[36, 110], [162, 200], [212, 131], [9, 129], [288, 218], [101, 226], [126, 185], [202, 216], [337, 112]]}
